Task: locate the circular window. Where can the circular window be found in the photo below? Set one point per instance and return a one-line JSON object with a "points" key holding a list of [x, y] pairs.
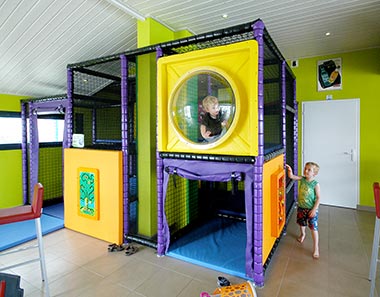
{"points": [[202, 107]]}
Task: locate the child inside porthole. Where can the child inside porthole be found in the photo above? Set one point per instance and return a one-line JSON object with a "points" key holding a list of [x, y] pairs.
{"points": [[213, 124]]}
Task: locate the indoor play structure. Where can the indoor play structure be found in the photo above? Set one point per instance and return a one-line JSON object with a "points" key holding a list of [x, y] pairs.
{"points": [[236, 184], [233, 188]]}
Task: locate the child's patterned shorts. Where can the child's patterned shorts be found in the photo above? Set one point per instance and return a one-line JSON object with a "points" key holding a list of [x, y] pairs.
{"points": [[303, 218]]}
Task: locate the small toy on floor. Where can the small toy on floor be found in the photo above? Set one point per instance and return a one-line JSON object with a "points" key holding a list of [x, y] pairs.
{"points": [[245, 289]]}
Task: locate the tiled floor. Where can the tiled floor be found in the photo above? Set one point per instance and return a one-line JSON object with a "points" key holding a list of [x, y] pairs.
{"points": [[79, 265]]}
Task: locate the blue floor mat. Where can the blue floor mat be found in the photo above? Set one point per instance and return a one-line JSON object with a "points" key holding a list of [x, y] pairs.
{"points": [[20, 232], [55, 210], [218, 245]]}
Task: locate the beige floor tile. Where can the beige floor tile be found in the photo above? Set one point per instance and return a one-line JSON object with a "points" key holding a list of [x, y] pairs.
{"points": [[105, 288], [347, 284], [195, 287], [164, 283], [107, 263], [74, 283], [134, 274], [297, 288]]}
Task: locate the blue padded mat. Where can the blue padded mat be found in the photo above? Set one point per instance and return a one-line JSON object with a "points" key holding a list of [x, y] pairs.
{"points": [[218, 245], [20, 232], [55, 210]]}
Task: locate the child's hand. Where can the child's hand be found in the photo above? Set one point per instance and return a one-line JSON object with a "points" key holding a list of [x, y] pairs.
{"points": [[207, 134], [290, 170], [290, 173], [312, 213], [224, 123]]}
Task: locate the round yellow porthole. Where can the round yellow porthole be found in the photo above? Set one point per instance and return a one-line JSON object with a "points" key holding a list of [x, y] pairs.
{"points": [[202, 107]]}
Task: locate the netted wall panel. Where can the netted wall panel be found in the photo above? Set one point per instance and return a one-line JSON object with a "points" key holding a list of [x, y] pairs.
{"points": [[291, 134], [272, 106], [97, 103], [50, 172], [182, 203], [108, 125]]}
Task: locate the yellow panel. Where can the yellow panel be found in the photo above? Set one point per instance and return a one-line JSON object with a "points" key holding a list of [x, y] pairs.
{"points": [[238, 65], [272, 168], [108, 224]]}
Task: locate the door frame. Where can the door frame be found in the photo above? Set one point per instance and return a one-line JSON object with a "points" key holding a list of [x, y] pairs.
{"points": [[357, 140]]}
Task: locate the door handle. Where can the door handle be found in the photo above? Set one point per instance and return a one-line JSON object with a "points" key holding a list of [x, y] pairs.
{"points": [[352, 154]]}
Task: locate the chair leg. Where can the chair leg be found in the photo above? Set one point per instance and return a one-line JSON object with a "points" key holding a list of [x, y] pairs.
{"points": [[374, 257], [42, 256]]}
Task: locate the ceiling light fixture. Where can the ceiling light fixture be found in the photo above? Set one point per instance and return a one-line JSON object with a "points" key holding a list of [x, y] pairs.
{"points": [[224, 15], [327, 33]]}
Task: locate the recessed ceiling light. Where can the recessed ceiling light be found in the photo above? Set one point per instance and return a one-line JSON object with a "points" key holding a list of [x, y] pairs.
{"points": [[327, 33], [225, 16]]}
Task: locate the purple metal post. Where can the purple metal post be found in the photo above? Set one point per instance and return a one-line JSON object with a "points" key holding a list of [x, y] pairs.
{"points": [[161, 234], [24, 153], [69, 109], [93, 125], [255, 269], [125, 141], [33, 149], [295, 137], [283, 105]]}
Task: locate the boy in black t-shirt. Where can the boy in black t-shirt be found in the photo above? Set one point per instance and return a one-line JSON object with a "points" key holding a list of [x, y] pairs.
{"points": [[212, 125]]}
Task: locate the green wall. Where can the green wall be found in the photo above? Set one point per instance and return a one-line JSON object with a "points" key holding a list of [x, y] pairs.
{"points": [[149, 32], [360, 79], [10, 162]]}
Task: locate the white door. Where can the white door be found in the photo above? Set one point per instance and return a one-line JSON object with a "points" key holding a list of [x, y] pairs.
{"points": [[330, 137]]}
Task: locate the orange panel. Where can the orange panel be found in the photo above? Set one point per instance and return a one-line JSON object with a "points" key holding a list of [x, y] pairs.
{"points": [[272, 172]]}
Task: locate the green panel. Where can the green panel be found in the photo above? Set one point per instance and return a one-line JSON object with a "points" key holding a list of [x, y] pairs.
{"points": [[10, 178], [360, 79], [10, 102], [11, 165]]}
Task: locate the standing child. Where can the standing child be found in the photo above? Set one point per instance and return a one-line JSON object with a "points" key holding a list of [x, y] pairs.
{"points": [[212, 125], [308, 203]]}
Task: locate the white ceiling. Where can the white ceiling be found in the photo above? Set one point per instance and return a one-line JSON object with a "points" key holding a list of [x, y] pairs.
{"points": [[38, 38]]}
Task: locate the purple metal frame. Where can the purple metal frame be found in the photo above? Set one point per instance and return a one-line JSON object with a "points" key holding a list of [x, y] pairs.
{"points": [[34, 107], [28, 180]]}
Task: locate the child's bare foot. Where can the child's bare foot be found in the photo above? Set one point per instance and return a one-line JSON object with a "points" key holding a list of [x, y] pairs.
{"points": [[316, 255], [301, 238]]}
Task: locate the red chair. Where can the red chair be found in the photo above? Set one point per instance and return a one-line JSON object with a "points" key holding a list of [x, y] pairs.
{"points": [[2, 288], [24, 213], [376, 240]]}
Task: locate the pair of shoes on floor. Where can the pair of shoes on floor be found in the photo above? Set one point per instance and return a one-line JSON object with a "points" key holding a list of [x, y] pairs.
{"points": [[130, 250], [115, 247]]}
